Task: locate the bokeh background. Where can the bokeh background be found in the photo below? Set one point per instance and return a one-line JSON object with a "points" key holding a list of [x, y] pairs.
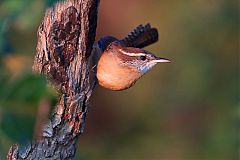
{"points": [[186, 110]]}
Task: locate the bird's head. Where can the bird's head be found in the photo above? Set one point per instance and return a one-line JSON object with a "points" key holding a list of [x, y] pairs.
{"points": [[120, 67], [135, 58]]}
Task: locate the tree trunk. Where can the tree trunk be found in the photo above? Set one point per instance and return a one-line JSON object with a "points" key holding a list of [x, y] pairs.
{"points": [[65, 40]]}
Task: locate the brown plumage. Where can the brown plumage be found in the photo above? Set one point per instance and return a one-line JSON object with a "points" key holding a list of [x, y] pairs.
{"points": [[123, 62], [120, 67], [111, 71]]}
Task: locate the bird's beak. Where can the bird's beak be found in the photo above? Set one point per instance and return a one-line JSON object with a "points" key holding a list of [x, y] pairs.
{"points": [[161, 60]]}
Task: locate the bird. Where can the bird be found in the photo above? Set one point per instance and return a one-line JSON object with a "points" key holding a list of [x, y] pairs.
{"points": [[122, 62]]}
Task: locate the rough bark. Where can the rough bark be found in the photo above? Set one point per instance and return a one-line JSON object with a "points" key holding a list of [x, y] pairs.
{"points": [[65, 40]]}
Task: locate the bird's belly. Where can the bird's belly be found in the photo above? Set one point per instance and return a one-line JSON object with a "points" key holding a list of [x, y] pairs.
{"points": [[114, 79]]}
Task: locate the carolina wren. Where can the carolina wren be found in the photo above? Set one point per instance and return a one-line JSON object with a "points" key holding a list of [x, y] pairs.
{"points": [[121, 64]]}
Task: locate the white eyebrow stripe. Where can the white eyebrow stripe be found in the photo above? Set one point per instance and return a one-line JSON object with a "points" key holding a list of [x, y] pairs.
{"points": [[132, 54]]}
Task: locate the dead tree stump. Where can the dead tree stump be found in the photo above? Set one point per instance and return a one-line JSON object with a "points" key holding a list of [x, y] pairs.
{"points": [[65, 40]]}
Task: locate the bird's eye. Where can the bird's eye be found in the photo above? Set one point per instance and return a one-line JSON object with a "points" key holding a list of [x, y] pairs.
{"points": [[143, 58]]}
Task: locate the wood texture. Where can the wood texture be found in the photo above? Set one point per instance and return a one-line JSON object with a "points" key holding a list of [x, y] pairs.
{"points": [[65, 40]]}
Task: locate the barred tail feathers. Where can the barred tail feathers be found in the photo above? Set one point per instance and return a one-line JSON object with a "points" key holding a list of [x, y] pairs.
{"points": [[141, 36]]}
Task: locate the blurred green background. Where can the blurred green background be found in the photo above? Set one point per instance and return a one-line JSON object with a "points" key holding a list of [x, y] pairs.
{"points": [[186, 110]]}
